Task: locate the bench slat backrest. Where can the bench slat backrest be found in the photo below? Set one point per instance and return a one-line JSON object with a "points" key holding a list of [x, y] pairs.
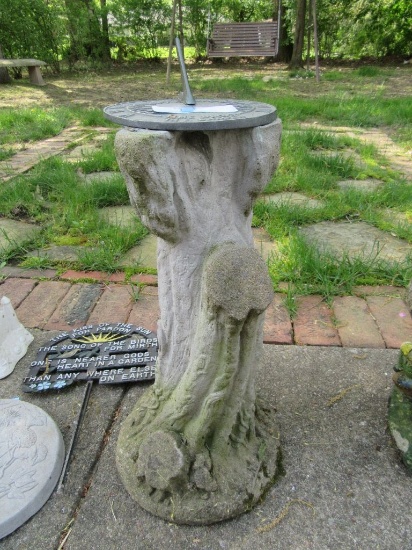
{"points": [[243, 39]]}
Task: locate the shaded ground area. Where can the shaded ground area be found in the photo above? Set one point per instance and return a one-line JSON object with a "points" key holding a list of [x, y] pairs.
{"points": [[343, 485]]}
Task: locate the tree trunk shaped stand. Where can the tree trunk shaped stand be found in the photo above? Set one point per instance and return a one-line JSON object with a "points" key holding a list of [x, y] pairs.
{"points": [[198, 447]]}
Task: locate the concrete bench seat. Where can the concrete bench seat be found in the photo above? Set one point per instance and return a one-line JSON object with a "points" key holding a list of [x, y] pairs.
{"points": [[32, 64]]}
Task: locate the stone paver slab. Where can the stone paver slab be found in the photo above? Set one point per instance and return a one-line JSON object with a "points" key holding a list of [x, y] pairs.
{"points": [[113, 306], [36, 309], [75, 308], [14, 232], [355, 323], [100, 176], [16, 290], [293, 199], [123, 216], [44, 530], [393, 318], [358, 239], [366, 186], [144, 254], [263, 243], [379, 290], [63, 253], [313, 324], [32, 460], [277, 328]]}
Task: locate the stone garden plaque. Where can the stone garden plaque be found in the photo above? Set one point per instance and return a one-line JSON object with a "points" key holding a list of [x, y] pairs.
{"points": [[114, 353], [31, 459]]}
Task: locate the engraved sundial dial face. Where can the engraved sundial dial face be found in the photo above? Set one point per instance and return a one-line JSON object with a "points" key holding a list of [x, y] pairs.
{"points": [[167, 114], [140, 114]]}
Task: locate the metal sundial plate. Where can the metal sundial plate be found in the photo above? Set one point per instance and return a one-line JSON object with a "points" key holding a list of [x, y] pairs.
{"points": [[139, 114], [108, 353]]}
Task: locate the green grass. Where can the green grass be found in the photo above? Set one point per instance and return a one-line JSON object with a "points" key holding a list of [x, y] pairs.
{"points": [[313, 162], [55, 196], [309, 271], [330, 105], [33, 124]]}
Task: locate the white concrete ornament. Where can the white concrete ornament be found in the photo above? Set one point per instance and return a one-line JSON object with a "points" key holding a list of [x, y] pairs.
{"points": [[31, 460], [14, 338]]}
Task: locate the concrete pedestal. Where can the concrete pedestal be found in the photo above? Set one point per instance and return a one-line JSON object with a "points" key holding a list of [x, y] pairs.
{"points": [[198, 448]]}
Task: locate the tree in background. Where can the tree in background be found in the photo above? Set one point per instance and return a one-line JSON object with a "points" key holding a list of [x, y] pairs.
{"points": [[299, 35], [95, 30], [140, 26], [87, 39], [31, 29]]}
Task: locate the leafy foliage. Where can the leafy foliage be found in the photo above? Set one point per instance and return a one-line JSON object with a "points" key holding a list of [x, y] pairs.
{"points": [[97, 30]]}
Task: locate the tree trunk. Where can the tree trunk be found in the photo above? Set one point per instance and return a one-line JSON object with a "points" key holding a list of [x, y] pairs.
{"points": [[171, 41], [105, 31], [299, 35], [316, 42], [285, 48], [197, 448], [4, 73]]}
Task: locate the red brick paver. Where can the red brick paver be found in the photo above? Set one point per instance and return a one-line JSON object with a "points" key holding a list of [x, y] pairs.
{"points": [[73, 275], [17, 290], [313, 324], [37, 308], [145, 311], [377, 317], [113, 306], [144, 279], [278, 326], [75, 308], [393, 319], [356, 326]]}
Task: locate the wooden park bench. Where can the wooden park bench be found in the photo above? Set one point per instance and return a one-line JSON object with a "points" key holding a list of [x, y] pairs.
{"points": [[243, 39], [32, 64]]}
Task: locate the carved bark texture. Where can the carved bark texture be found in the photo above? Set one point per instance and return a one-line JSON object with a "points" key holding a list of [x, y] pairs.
{"points": [[194, 190], [196, 448]]}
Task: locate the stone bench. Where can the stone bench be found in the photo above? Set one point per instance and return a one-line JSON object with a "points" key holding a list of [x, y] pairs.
{"points": [[32, 64]]}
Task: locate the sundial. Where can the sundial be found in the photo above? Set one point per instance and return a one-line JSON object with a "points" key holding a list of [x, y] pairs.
{"points": [[191, 114], [193, 169]]}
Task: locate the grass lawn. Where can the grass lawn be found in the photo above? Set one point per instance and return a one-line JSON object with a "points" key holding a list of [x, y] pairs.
{"points": [[313, 161]]}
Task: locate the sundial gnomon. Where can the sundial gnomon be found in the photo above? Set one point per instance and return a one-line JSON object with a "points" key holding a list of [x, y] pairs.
{"points": [[191, 114]]}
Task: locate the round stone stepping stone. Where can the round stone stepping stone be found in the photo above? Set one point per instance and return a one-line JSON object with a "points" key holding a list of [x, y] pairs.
{"points": [[367, 186], [123, 216], [14, 232], [357, 239], [144, 254], [99, 176], [31, 460], [263, 243], [294, 199]]}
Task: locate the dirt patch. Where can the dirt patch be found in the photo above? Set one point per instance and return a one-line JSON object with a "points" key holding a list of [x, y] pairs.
{"points": [[148, 81]]}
